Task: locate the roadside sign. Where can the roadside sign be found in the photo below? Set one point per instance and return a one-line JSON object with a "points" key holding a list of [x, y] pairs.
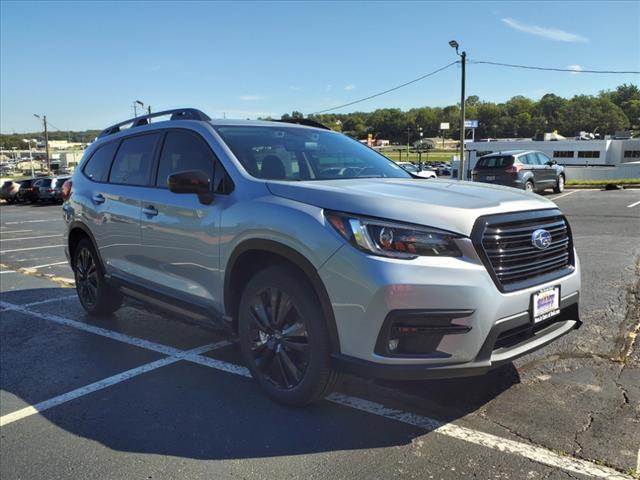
{"points": [[444, 126], [471, 123]]}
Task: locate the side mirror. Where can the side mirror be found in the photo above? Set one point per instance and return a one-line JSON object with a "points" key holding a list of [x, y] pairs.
{"points": [[552, 162], [192, 181]]}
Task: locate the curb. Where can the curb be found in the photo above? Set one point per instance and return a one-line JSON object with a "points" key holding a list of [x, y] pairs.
{"points": [[601, 185]]}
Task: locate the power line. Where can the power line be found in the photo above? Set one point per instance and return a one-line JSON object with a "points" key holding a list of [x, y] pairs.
{"points": [[529, 67], [388, 90]]}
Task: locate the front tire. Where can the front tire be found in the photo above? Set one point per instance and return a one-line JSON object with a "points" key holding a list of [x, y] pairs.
{"points": [[95, 295], [283, 337], [559, 188]]}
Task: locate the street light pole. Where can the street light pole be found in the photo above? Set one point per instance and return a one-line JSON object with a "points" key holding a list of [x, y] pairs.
{"points": [[463, 57], [46, 139]]}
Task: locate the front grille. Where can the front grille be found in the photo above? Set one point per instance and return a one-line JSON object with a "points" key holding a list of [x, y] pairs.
{"points": [[504, 242]]}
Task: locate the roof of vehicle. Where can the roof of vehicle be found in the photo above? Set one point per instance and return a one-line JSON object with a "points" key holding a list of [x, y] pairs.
{"points": [[193, 114]]}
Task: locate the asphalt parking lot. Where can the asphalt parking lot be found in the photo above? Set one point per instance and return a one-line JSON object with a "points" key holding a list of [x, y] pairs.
{"points": [[145, 395]]}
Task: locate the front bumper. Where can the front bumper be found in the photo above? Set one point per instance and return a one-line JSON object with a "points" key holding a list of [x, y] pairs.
{"points": [[510, 338], [364, 290]]}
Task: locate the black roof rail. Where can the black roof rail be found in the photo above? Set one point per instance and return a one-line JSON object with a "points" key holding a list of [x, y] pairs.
{"points": [[176, 114], [304, 121]]}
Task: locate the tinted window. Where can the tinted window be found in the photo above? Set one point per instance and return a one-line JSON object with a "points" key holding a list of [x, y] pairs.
{"points": [[45, 183], [97, 168], [60, 182], [495, 162], [184, 151], [134, 160]]}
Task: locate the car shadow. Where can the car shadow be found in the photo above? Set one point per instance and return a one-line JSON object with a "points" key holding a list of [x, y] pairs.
{"points": [[193, 411]]}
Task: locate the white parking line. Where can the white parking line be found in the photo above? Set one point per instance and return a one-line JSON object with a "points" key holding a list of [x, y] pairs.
{"points": [[28, 238], [532, 452], [30, 248], [633, 205], [50, 300], [35, 267], [14, 231], [7, 271], [33, 221], [564, 195], [107, 382]]}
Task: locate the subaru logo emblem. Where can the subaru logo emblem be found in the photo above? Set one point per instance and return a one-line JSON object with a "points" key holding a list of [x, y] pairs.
{"points": [[541, 239]]}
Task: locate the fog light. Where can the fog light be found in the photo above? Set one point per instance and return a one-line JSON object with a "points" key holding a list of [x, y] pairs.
{"points": [[393, 344]]}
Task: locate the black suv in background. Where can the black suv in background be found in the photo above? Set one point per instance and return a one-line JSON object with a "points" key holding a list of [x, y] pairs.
{"points": [[529, 170]]}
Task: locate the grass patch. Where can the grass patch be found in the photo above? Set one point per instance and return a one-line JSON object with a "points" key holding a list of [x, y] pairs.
{"points": [[413, 156], [619, 181]]}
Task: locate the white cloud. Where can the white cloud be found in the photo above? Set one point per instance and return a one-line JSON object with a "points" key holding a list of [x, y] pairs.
{"points": [[250, 98], [544, 32], [350, 87], [576, 69], [294, 88]]}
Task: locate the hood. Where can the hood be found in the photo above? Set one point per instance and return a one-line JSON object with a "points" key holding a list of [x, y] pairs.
{"points": [[445, 204]]}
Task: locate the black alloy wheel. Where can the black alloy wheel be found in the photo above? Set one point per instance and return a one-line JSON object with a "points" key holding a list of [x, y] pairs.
{"points": [[284, 338], [279, 338], [86, 277], [96, 296]]}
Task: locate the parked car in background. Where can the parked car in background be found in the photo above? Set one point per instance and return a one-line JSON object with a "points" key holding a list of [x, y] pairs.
{"points": [[57, 188], [526, 169], [414, 170], [47, 189], [25, 193], [9, 191]]}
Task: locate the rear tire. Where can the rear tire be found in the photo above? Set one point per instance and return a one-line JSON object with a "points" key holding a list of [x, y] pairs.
{"points": [[283, 337], [559, 188], [528, 186], [95, 295]]}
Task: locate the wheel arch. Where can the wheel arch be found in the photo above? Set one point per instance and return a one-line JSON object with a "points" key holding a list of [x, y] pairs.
{"points": [[253, 255], [78, 231]]}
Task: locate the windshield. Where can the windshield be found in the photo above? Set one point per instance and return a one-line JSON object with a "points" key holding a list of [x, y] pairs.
{"points": [[291, 153]]}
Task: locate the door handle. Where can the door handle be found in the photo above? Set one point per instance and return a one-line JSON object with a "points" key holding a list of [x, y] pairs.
{"points": [[98, 198], [150, 210]]}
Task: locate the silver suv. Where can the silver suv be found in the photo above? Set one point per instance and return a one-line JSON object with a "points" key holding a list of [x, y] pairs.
{"points": [[316, 253]]}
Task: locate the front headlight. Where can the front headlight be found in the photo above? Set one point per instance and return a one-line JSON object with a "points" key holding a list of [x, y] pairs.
{"points": [[392, 239]]}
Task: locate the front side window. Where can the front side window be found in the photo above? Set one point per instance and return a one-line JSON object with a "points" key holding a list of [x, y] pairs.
{"points": [[134, 160], [542, 159], [292, 153], [184, 151], [97, 168]]}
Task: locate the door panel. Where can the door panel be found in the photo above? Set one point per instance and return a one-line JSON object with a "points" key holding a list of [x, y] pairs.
{"points": [[119, 200], [180, 243], [179, 234], [548, 173], [117, 226]]}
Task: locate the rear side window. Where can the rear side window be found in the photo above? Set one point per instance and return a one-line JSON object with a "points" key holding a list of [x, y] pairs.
{"points": [[60, 182], [45, 183], [184, 151], [502, 161], [134, 160], [97, 168]]}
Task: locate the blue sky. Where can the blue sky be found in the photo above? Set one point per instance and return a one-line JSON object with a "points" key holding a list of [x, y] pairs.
{"points": [[83, 63]]}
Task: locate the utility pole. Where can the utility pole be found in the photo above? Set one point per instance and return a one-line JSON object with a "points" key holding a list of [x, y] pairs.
{"points": [[463, 57], [408, 133]]}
